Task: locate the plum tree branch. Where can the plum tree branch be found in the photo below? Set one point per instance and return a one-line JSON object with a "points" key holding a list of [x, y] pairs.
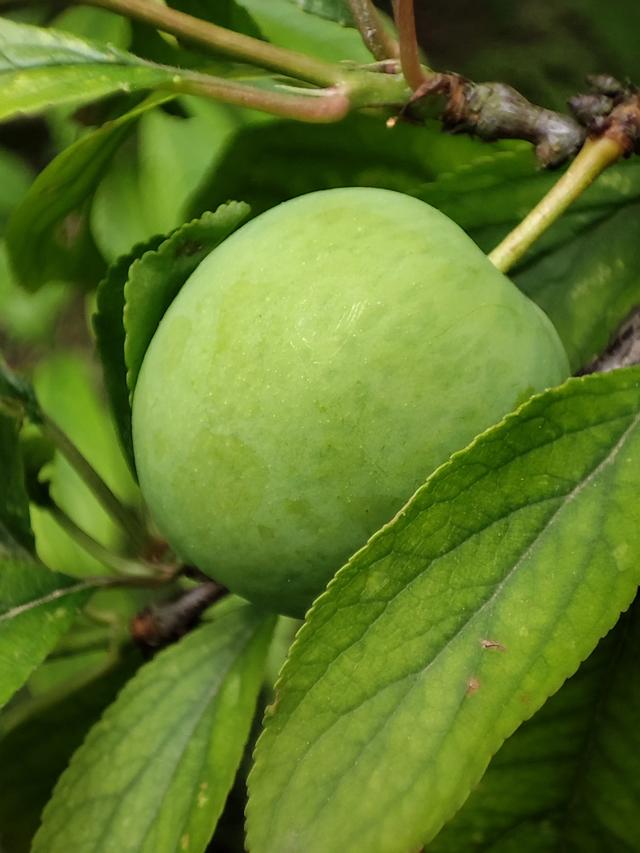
{"points": [[612, 115], [380, 43]]}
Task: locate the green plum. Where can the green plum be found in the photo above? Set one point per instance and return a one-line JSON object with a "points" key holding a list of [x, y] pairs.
{"points": [[312, 372]]}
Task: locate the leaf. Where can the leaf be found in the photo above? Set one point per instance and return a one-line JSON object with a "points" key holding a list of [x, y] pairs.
{"points": [[149, 182], [573, 767], [15, 527], [108, 324], [582, 273], [155, 279], [51, 214], [453, 625], [283, 22], [155, 772], [15, 177], [36, 607], [67, 389], [136, 293], [35, 752], [40, 68], [267, 165]]}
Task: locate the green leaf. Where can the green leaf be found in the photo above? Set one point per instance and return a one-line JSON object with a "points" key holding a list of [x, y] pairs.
{"points": [[283, 22], [155, 279], [15, 177], [35, 752], [265, 165], [573, 767], [67, 389], [453, 625], [137, 291], [40, 68], [51, 215], [146, 189], [582, 272], [155, 772], [36, 607], [15, 527], [224, 13]]}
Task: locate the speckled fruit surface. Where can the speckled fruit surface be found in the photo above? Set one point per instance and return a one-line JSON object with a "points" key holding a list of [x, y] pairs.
{"points": [[312, 372]]}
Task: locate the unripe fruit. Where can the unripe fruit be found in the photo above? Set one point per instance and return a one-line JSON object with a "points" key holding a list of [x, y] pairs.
{"points": [[312, 372]]}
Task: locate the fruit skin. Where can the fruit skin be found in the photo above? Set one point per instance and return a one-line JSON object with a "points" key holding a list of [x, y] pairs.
{"points": [[312, 372]]}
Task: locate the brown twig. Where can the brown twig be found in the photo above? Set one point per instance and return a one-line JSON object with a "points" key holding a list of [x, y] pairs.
{"points": [[367, 19], [161, 624]]}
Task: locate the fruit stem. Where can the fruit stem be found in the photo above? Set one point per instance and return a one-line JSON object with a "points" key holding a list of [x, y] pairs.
{"points": [[120, 565], [380, 43], [594, 157], [223, 41], [122, 515]]}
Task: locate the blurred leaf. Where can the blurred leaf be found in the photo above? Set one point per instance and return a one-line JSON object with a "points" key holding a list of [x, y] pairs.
{"points": [[453, 625], [285, 23], [28, 317], [67, 389], [36, 607], [224, 13], [148, 185], [583, 271], [156, 770], [265, 165], [40, 68], [334, 10], [95, 24], [15, 177], [573, 767], [155, 279], [35, 752], [137, 291], [15, 528], [51, 217]]}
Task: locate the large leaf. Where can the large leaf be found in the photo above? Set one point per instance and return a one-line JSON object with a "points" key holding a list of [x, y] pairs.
{"points": [[40, 68], [35, 752], [267, 165], [36, 607], [51, 214], [137, 291], [155, 772], [453, 625], [574, 767]]}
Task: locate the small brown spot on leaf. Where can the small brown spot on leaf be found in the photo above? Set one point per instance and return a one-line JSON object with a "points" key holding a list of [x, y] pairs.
{"points": [[493, 644], [473, 685]]}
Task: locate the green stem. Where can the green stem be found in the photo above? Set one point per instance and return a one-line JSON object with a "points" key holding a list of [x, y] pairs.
{"points": [[120, 565], [367, 18], [121, 514], [319, 105], [594, 157], [227, 42]]}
